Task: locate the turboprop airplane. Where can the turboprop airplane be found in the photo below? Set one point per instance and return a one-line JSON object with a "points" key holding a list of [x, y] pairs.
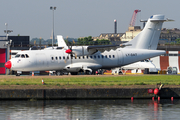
{"points": [[90, 58], [141, 65]]}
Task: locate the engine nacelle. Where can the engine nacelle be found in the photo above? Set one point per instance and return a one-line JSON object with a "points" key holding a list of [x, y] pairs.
{"points": [[83, 50]]}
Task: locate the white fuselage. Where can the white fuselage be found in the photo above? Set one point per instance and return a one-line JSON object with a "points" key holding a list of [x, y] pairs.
{"points": [[42, 60]]}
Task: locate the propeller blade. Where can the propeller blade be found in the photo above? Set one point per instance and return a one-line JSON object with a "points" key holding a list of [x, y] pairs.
{"points": [[75, 55]]}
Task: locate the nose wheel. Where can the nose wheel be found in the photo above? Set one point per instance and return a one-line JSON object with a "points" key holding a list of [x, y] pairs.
{"points": [[18, 74]]}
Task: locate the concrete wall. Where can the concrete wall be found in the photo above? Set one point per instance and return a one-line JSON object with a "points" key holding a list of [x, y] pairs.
{"points": [[86, 93]]}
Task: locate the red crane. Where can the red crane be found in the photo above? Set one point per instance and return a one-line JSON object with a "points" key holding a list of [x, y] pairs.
{"points": [[133, 19]]}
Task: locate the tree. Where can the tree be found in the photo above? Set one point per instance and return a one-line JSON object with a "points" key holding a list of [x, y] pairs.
{"points": [[177, 41]]}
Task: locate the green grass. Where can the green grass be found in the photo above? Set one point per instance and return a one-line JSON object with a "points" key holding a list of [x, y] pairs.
{"points": [[103, 80]]}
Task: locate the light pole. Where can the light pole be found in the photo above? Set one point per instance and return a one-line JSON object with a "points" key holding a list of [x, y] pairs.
{"points": [[53, 8], [7, 31]]}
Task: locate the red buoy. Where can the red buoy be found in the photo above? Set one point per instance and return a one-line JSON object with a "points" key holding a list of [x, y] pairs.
{"points": [[172, 98], [156, 91], [153, 98], [150, 91]]}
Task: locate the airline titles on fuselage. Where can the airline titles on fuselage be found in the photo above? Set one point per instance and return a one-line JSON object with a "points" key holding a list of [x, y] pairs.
{"points": [[131, 54]]}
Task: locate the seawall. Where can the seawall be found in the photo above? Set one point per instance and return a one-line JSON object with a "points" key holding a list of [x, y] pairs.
{"points": [[86, 93]]}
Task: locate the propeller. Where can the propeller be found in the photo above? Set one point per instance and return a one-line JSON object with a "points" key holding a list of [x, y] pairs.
{"points": [[69, 51]]}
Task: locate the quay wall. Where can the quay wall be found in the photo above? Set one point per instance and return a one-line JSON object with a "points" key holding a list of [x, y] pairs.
{"points": [[114, 93]]}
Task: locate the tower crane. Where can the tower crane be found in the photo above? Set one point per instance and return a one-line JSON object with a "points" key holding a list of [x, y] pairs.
{"points": [[133, 19]]}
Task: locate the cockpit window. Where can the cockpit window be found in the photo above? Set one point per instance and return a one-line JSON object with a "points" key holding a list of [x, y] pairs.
{"points": [[147, 60], [18, 55], [27, 56], [22, 56]]}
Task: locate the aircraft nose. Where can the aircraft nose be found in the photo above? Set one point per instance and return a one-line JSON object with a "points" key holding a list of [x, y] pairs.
{"points": [[8, 64]]}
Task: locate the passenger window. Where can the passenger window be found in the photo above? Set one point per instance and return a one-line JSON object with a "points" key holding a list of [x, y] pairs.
{"points": [[105, 56], [67, 57], [79, 57], [87, 57], [83, 57], [56, 58], [63, 57], [52, 58], [59, 57], [90, 56], [22, 56], [18, 55], [98, 56], [109, 56], [94, 56], [27, 56], [102, 56], [113, 56]]}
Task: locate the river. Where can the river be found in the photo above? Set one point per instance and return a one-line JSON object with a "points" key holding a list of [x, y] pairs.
{"points": [[138, 109]]}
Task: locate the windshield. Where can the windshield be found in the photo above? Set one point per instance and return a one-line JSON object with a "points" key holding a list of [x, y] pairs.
{"points": [[22, 56], [18, 55]]}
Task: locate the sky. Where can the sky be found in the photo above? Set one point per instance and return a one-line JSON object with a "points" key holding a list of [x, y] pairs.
{"points": [[80, 18]]}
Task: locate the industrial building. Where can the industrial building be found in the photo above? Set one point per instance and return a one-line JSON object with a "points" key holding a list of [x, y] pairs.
{"points": [[3, 53], [9, 46]]}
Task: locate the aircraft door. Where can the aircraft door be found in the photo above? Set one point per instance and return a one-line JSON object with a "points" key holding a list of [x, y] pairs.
{"points": [[120, 57]]}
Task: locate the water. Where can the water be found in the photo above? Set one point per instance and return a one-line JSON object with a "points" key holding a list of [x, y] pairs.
{"points": [[90, 109]]}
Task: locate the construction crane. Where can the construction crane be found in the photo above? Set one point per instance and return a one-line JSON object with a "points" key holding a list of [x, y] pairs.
{"points": [[133, 19]]}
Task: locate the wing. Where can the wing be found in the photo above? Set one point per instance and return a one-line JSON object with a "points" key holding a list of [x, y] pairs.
{"points": [[103, 48]]}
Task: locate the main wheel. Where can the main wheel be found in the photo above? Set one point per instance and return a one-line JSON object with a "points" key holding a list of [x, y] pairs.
{"points": [[87, 72], [74, 73]]}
